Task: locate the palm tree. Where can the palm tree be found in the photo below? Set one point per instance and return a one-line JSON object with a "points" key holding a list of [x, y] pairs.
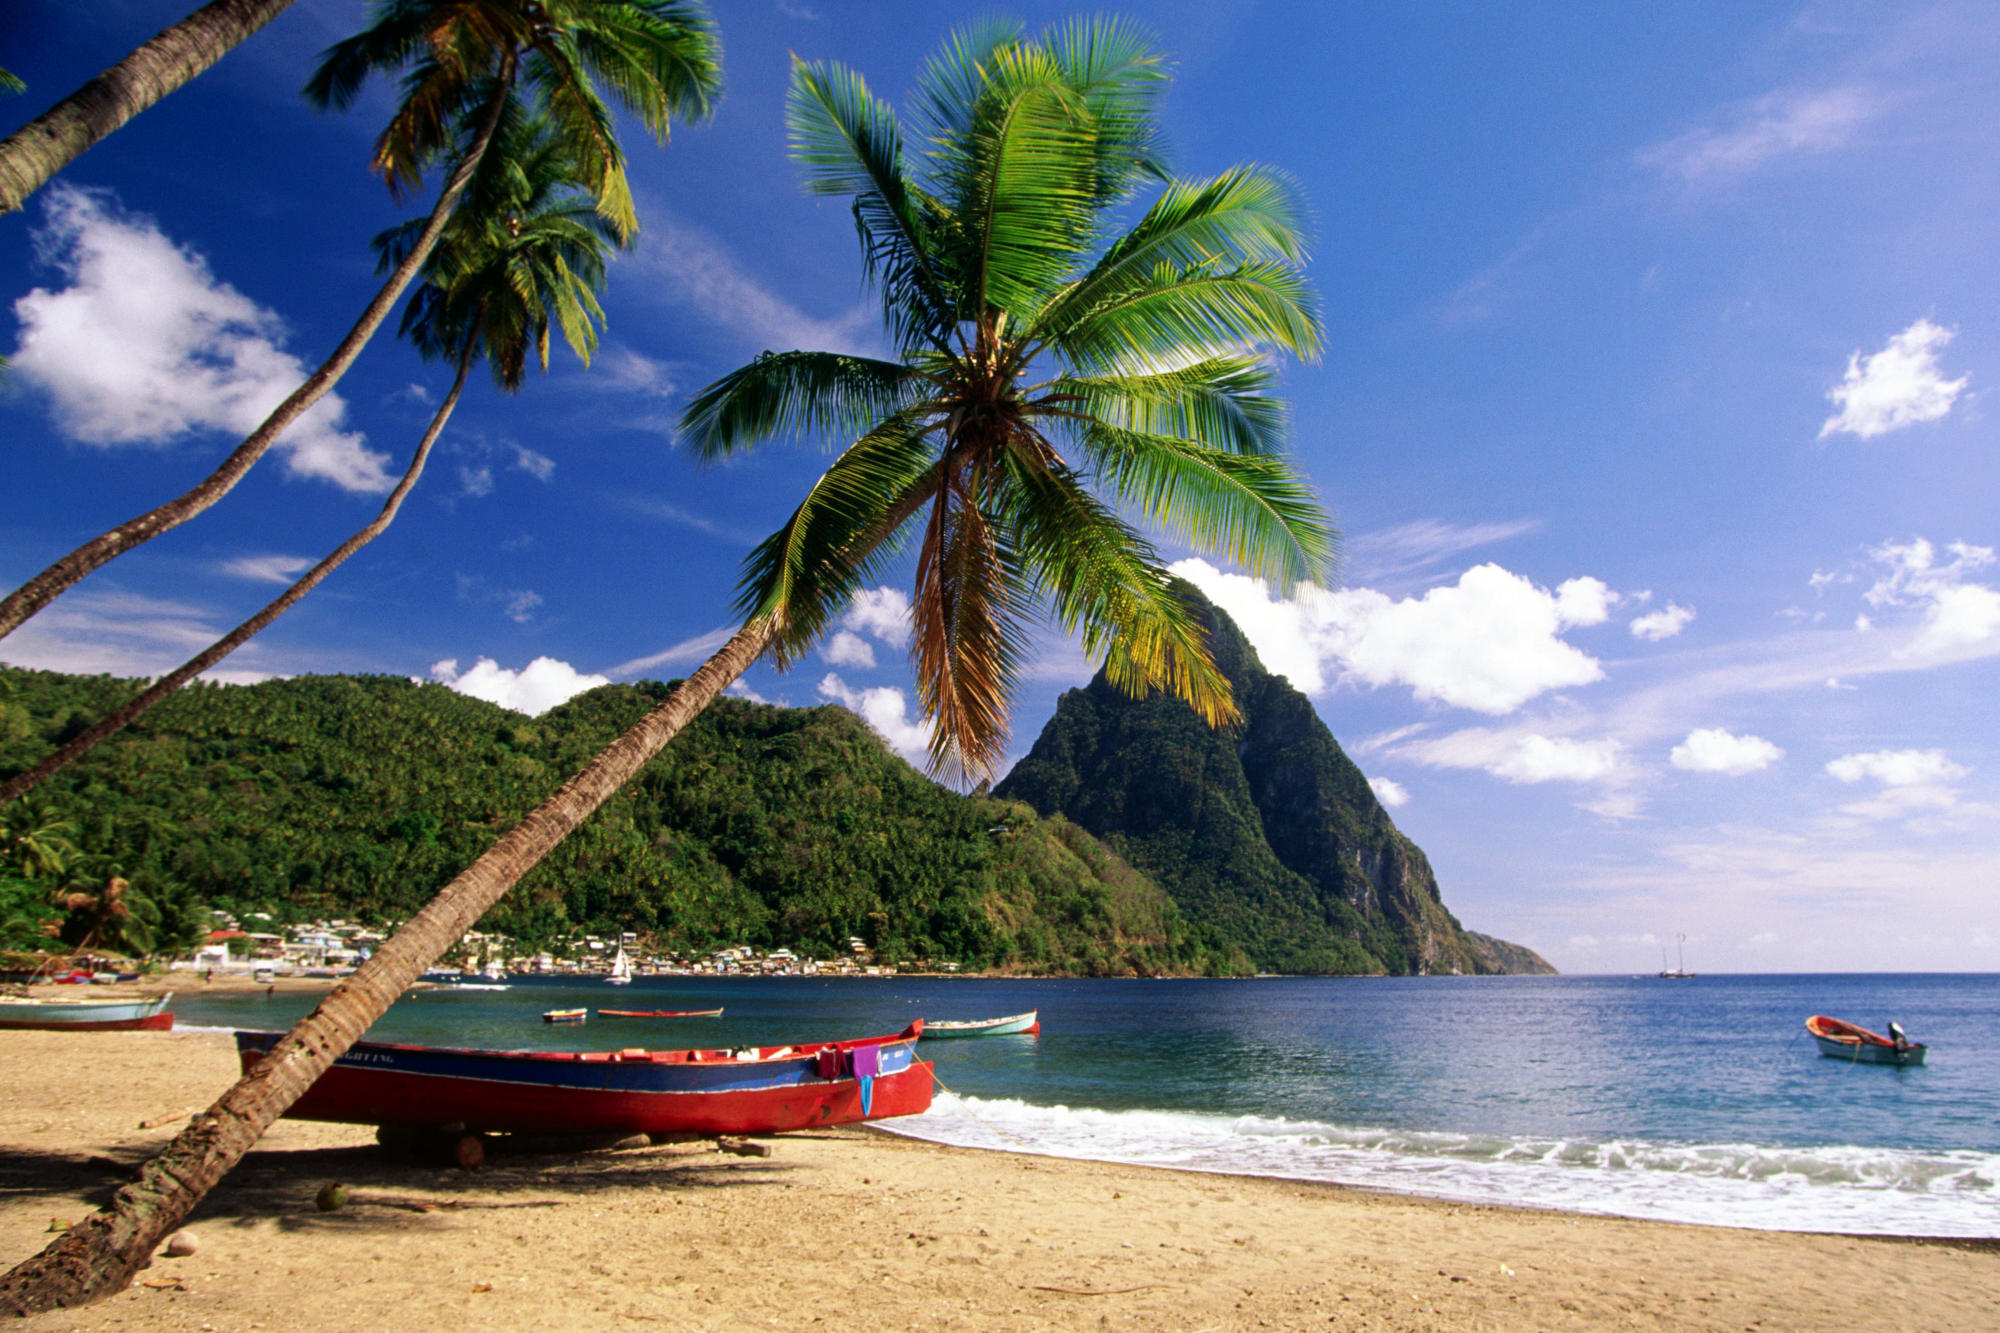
{"points": [[1034, 142], [525, 248], [47, 144], [466, 60]]}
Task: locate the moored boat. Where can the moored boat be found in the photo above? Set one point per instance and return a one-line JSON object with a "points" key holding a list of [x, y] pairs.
{"points": [[1844, 1041], [565, 1015], [1013, 1025], [89, 1015], [659, 1013], [755, 1090]]}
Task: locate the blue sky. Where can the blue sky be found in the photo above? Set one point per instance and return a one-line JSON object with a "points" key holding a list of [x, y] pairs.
{"points": [[1653, 413]]}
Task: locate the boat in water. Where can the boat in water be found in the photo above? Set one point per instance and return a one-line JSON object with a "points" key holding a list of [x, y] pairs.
{"points": [[1678, 972], [1013, 1025], [565, 1015], [753, 1090], [1844, 1041], [89, 1015], [621, 970], [659, 1013]]}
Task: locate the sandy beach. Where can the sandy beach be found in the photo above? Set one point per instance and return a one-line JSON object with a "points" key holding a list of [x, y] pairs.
{"points": [[859, 1228]]}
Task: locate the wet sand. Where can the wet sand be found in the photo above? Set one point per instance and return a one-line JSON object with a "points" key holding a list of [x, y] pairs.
{"points": [[857, 1228]]}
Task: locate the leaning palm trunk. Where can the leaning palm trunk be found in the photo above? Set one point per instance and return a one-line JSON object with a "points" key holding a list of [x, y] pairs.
{"points": [[117, 721], [46, 586], [100, 1256], [44, 146]]}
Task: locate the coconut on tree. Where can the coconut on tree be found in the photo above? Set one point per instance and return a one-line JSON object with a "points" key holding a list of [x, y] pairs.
{"points": [[462, 62], [1048, 369], [524, 251]]}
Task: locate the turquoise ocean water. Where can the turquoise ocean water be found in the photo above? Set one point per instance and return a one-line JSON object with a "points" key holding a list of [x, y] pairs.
{"points": [[1695, 1101]]}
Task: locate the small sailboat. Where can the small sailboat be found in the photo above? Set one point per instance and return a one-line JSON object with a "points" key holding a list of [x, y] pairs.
{"points": [[621, 969], [1678, 972]]}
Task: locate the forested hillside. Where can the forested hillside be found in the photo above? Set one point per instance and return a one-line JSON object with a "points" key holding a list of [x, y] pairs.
{"points": [[1269, 835], [346, 796]]}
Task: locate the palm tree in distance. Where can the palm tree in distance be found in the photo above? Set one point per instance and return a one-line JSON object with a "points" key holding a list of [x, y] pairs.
{"points": [[1035, 142], [50, 142], [525, 249], [464, 62]]}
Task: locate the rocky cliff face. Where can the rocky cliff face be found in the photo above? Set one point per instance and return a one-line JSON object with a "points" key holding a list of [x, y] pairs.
{"points": [[1271, 836]]}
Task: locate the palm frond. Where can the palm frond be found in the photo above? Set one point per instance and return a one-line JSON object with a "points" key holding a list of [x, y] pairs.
{"points": [[1244, 216], [794, 394], [1164, 318], [1106, 587], [1223, 401], [1254, 509], [843, 534]]}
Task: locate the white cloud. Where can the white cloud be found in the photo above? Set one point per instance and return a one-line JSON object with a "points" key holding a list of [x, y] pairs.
{"points": [[1898, 386], [882, 612], [694, 269], [1897, 768], [1518, 756], [113, 633], [886, 709], [539, 466], [1713, 750], [1410, 547], [521, 605], [145, 346], [849, 649], [1584, 601], [1772, 127], [687, 652], [1490, 642], [534, 689], [475, 481], [1390, 792], [742, 691], [1957, 613], [280, 569], [1662, 624], [623, 368]]}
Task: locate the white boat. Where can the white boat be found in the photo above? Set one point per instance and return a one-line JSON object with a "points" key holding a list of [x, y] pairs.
{"points": [[1013, 1025], [621, 970], [1679, 971], [89, 1015]]}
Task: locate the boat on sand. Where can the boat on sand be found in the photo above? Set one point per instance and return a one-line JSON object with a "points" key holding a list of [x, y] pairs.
{"points": [[1844, 1041], [88, 1015], [751, 1090], [1013, 1025]]}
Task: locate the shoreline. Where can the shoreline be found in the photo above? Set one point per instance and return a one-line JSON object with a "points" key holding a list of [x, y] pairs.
{"points": [[857, 1225]]}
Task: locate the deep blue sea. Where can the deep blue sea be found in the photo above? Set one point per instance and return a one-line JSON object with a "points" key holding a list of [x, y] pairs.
{"points": [[1695, 1101]]}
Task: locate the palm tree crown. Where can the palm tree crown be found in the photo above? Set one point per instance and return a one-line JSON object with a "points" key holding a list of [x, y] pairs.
{"points": [[659, 58], [525, 250], [1051, 377]]}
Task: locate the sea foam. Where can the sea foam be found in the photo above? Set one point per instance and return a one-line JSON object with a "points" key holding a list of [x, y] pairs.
{"points": [[1848, 1190]]}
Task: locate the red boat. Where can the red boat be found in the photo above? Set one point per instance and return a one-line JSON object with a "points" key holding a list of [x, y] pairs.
{"points": [[753, 1090]]}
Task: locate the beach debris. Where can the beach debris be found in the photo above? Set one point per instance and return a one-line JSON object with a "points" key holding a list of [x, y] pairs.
{"points": [[167, 1119], [59, 1224], [745, 1148], [166, 1283], [331, 1196], [482, 1286], [1506, 1271], [182, 1244], [469, 1152]]}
